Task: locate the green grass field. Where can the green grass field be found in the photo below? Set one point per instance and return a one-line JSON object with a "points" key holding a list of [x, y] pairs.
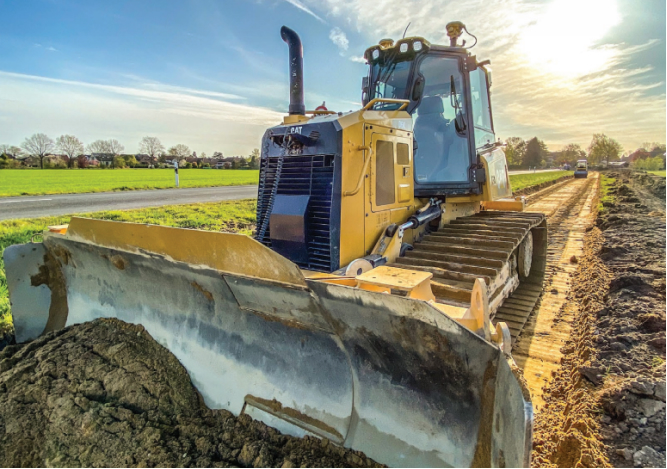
{"points": [[522, 181], [231, 216], [69, 181], [658, 173]]}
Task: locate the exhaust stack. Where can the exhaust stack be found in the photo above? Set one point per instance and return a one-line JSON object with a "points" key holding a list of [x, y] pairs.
{"points": [[296, 102]]}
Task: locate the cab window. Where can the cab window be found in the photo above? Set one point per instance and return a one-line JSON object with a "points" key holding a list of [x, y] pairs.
{"points": [[442, 153], [481, 110]]}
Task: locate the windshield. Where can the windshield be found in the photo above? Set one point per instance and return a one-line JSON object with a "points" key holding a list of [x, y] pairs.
{"points": [[389, 80], [442, 153]]}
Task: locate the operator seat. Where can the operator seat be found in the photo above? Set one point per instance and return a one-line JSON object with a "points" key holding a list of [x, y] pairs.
{"points": [[430, 127]]}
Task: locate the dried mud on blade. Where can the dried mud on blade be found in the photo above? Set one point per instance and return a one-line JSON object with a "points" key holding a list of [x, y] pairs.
{"points": [[386, 375]]}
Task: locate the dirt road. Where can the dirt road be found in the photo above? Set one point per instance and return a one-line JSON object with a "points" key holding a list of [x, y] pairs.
{"points": [[600, 349]]}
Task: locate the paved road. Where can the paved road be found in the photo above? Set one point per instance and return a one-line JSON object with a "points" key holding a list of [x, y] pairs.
{"points": [[525, 171], [65, 204]]}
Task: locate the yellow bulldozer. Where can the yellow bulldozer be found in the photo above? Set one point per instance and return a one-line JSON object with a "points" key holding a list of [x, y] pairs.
{"points": [[376, 306]]}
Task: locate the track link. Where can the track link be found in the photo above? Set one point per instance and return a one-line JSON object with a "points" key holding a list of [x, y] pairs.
{"points": [[484, 245]]}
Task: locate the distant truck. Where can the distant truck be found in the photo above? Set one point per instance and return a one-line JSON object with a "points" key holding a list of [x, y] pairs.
{"points": [[581, 169]]}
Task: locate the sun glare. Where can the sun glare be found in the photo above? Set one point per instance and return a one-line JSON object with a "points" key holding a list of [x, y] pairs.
{"points": [[563, 39]]}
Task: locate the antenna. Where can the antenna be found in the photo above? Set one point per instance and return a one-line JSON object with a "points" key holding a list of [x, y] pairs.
{"points": [[406, 29]]}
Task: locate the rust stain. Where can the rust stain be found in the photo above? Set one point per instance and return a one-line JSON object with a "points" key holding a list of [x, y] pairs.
{"points": [[118, 262], [206, 293], [63, 254], [50, 274], [276, 408], [482, 457]]}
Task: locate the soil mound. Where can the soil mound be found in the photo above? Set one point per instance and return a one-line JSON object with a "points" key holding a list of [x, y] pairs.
{"points": [[106, 394]]}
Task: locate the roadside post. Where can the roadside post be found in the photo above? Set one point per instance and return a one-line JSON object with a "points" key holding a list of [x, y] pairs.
{"points": [[176, 171]]}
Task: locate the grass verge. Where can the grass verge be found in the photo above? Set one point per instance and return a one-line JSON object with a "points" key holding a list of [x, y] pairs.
{"points": [[14, 182], [658, 173], [605, 198], [522, 181], [237, 216]]}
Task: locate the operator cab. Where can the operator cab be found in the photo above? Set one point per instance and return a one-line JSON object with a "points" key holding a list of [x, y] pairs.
{"points": [[450, 106]]}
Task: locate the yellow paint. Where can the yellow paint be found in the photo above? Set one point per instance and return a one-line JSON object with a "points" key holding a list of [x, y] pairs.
{"points": [[517, 204], [61, 229], [384, 279], [226, 252]]}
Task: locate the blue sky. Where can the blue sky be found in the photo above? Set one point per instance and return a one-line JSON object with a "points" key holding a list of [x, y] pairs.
{"points": [[213, 73]]}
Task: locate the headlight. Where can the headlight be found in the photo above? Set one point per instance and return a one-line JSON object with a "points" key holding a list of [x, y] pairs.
{"points": [[376, 53], [404, 47], [417, 46]]}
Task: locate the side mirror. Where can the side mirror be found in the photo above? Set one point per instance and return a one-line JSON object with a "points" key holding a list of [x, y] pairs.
{"points": [[471, 63], [418, 88], [365, 84]]}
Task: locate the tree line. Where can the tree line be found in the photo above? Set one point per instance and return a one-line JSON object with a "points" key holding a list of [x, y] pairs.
{"points": [[72, 153], [534, 153]]}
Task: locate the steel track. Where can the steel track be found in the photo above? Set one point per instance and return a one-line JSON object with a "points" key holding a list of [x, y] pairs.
{"points": [[484, 244]]}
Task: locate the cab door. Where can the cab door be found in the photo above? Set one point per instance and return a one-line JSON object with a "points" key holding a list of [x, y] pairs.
{"points": [[390, 187]]}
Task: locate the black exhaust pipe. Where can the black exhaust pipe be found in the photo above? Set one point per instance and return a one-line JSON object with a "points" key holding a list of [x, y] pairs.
{"points": [[296, 102]]}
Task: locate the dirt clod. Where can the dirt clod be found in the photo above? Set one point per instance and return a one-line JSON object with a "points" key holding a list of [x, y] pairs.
{"points": [[106, 394]]}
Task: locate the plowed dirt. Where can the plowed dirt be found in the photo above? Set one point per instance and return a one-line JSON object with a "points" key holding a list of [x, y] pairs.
{"points": [[105, 394], [606, 403]]}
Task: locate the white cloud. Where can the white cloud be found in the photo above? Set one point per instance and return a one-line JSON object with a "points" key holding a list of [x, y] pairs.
{"points": [[358, 58], [562, 91], [304, 8], [339, 38], [203, 120]]}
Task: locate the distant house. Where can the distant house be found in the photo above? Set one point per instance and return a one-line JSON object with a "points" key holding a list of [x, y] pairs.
{"points": [[145, 160], [30, 161], [105, 159]]}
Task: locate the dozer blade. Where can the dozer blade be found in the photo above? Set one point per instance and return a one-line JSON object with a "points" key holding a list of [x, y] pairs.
{"points": [[387, 375]]}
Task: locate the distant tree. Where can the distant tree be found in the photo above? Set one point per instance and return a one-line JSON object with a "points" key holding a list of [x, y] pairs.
{"points": [[654, 148], [119, 162], [98, 146], [649, 164], [536, 152], [130, 161], [82, 162], [235, 163], [115, 147], [603, 148], [71, 147], [570, 154], [151, 146], [180, 151], [10, 150], [515, 151], [111, 147], [203, 154], [253, 160], [217, 154], [38, 145], [7, 163]]}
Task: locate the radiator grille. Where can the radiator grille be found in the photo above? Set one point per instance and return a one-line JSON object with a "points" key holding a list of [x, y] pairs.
{"points": [[302, 175]]}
